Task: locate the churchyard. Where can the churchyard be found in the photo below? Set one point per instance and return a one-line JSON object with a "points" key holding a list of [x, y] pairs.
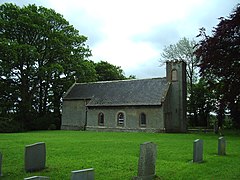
{"points": [[115, 155]]}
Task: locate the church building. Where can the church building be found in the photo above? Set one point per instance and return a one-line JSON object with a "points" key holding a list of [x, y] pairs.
{"points": [[142, 105]]}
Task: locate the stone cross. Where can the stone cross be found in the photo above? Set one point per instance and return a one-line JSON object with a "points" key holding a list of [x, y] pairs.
{"points": [[35, 157], [84, 174], [37, 178], [0, 164], [147, 161], [198, 151], [221, 146]]}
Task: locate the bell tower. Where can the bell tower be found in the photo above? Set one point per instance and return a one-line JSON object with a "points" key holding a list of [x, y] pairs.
{"points": [[175, 113]]}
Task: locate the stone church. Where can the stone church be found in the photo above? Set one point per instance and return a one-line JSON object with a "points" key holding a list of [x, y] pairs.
{"points": [[144, 105]]}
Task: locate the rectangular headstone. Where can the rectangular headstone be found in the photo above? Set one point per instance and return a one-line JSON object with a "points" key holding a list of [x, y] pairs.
{"points": [[221, 146], [147, 161], [35, 157], [0, 164], [198, 151], [37, 178], [84, 174]]}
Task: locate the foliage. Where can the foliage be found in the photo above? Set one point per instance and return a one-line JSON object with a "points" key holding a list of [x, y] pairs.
{"points": [[202, 102], [9, 125], [219, 57], [106, 72], [114, 155], [183, 50], [40, 55]]}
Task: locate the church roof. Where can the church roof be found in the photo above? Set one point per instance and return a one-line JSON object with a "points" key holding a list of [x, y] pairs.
{"points": [[135, 92]]}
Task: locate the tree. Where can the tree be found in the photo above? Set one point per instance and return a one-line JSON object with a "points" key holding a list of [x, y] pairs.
{"points": [[203, 102], [219, 57], [107, 71], [40, 53], [183, 50]]}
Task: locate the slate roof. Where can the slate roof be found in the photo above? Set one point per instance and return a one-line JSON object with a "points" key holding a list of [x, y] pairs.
{"points": [[120, 93]]}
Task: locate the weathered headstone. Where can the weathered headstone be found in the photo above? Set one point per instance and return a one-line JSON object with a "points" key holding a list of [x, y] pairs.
{"points": [[37, 178], [84, 174], [198, 151], [147, 161], [221, 146], [35, 157], [0, 164]]}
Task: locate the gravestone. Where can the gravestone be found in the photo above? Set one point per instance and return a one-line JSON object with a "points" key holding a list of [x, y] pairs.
{"points": [[84, 174], [221, 146], [35, 157], [198, 151], [0, 164], [37, 178], [147, 161]]}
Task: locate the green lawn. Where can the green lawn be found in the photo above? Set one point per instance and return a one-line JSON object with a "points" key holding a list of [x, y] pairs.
{"points": [[114, 155]]}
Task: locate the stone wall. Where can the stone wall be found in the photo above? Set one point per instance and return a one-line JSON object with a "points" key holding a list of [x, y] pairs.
{"points": [[73, 115], [154, 119]]}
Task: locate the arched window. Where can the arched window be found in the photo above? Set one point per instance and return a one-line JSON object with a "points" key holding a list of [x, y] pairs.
{"points": [[142, 120], [174, 75], [101, 119], [120, 119]]}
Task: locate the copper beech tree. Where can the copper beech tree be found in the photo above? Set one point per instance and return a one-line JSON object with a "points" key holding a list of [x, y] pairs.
{"points": [[219, 62]]}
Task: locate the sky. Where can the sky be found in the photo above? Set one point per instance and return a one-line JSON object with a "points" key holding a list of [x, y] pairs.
{"points": [[133, 33]]}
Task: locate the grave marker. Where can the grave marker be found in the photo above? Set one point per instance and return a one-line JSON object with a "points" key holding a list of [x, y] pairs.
{"points": [[37, 178], [84, 174], [0, 164], [198, 151], [221, 146], [147, 161], [35, 157]]}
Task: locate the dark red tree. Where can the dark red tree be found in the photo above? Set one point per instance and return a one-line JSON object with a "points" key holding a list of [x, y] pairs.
{"points": [[219, 57]]}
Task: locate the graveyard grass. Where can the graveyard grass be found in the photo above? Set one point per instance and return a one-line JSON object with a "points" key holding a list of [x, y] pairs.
{"points": [[114, 155]]}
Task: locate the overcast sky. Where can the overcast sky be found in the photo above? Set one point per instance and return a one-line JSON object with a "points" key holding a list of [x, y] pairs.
{"points": [[133, 33]]}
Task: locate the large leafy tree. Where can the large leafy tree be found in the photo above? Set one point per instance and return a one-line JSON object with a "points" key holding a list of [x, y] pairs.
{"points": [[40, 53], [219, 56], [106, 72], [202, 102]]}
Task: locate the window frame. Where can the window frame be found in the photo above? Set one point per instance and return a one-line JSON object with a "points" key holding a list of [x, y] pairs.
{"points": [[174, 75], [140, 120], [101, 119], [122, 120]]}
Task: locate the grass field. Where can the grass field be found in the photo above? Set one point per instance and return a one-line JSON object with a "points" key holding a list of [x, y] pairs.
{"points": [[114, 155]]}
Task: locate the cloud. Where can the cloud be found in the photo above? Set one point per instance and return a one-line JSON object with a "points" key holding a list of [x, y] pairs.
{"points": [[132, 33]]}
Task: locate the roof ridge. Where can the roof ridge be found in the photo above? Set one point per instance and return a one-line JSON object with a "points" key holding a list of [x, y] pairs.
{"points": [[123, 80]]}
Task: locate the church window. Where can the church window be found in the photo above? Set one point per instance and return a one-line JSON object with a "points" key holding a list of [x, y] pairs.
{"points": [[174, 75], [101, 119], [120, 119], [142, 119]]}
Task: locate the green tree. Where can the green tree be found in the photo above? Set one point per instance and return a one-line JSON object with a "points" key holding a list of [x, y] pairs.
{"points": [[108, 72], [203, 102], [39, 57], [219, 57]]}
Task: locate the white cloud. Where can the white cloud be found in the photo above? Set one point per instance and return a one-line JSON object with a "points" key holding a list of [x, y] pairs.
{"points": [[132, 33]]}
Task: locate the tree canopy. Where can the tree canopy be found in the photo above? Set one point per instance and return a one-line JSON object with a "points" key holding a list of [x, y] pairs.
{"points": [[39, 57], [106, 71], [219, 57]]}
